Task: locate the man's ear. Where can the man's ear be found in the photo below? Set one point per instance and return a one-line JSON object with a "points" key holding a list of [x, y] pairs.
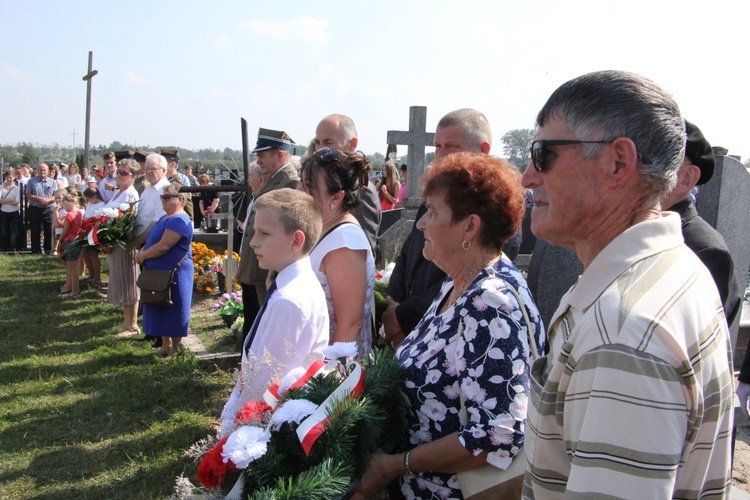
{"points": [[624, 157], [485, 148], [298, 241], [690, 175], [353, 144]]}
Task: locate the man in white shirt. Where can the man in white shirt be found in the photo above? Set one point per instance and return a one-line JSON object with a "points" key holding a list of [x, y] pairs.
{"points": [[150, 208]]}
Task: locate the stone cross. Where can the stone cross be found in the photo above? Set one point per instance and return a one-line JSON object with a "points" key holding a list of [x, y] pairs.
{"points": [[87, 78], [416, 138]]}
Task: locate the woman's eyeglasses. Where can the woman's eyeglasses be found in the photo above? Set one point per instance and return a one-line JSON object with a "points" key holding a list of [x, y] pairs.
{"points": [[539, 149], [123, 173], [167, 197]]}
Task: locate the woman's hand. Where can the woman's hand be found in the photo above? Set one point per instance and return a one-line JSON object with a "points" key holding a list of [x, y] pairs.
{"points": [[139, 258], [381, 471]]}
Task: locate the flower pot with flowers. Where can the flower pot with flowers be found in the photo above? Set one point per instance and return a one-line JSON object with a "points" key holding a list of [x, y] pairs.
{"points": [[229, 307]]}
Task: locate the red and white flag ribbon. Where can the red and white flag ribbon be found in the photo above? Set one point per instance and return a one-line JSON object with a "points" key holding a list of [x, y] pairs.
{"points": [[313, 426], [272, 396], [92, 237]]}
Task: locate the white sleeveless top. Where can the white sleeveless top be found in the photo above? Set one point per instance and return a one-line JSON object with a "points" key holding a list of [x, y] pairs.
{"points": [[353, 237]]}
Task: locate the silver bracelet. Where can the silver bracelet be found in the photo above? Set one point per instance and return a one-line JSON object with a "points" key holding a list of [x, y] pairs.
{"points": [[409, 473]]}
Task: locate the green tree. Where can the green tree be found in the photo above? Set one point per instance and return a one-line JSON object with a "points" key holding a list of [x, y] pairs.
{"points": [[516, 145], [29, 153]]}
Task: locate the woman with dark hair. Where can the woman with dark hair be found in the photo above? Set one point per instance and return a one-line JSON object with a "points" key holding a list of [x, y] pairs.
{"points": [[342, 259], [471, 351], [388, 187], [168, 245]]}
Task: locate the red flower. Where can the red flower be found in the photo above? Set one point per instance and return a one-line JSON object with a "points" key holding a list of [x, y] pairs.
{"points": [[103, 218], [252, 412], [212, 471]]}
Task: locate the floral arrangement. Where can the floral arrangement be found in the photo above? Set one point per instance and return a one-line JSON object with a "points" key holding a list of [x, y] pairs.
{"points": [[110, 227], [229, 306], [204, 279], [207, 268], [315, 431]]}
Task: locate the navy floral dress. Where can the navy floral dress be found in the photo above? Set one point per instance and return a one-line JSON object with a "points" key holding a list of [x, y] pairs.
{"points": [[488, 363]]}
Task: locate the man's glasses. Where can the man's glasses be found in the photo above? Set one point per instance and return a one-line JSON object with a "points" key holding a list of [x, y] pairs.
{"points": [[123, 173], [539, 149], [167, 197], [327, 154], [151, 169]]}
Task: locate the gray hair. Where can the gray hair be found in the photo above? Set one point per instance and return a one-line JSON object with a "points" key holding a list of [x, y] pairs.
{"points": [[174, 190], [157, 160], [475, 125], [605, 105]]}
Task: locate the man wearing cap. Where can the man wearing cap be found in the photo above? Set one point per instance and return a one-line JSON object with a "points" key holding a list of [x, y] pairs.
{"points": [[140, 183], [707, 243], [338, 132], [40, 192], [273, 151], [108, 184], [173, 175]]}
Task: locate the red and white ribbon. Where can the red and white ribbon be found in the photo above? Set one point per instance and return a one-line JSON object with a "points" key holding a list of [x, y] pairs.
{"points": [[272, 396], [92, 238], [313, 426]]}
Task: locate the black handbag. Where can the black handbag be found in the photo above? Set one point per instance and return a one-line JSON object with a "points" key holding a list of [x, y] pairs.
{"points": [[156, 285]]}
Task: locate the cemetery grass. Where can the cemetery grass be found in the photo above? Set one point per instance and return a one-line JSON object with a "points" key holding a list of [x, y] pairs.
{"points": [[83, 414]]}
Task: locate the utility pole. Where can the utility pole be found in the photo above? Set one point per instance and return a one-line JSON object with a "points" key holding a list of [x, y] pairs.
{"points": [[74, 145], [87, 78]]}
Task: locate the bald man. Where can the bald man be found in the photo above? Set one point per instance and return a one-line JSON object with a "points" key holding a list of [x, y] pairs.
{"points": [[338, 132]]}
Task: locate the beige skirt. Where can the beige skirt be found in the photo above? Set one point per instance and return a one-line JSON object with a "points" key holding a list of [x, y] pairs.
{"points": [[123, 275]]}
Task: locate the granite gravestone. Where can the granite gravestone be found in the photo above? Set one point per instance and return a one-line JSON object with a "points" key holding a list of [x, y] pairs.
{"points": [[416, 139], [552, 271], [724, 202]]}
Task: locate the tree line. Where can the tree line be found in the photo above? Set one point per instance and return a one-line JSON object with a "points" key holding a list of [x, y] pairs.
{"points": [[515, 148]]}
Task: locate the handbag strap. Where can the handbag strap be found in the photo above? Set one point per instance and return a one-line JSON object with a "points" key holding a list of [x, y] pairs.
{"points": [[532, 342], [179, 263]]}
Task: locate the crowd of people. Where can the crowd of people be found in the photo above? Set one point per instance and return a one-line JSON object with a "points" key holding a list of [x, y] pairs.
{"points": [[627, 392]]}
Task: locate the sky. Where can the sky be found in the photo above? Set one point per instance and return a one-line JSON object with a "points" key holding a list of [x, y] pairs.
{"points": [[184, 72]]}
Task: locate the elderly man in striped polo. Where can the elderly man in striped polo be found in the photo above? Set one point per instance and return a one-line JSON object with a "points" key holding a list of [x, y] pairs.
{"points": [[635, 397]]}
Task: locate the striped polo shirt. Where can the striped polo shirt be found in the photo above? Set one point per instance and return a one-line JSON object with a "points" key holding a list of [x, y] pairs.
{"points": [[635, 399]]}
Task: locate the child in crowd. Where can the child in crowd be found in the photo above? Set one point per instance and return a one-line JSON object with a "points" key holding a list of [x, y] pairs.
{"points": [[291, 328], [71, 224], [58, 215], [90, 256]]}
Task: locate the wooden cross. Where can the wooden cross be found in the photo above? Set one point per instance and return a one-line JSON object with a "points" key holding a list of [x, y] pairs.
{"points": [[416, 139], [87, 78]]}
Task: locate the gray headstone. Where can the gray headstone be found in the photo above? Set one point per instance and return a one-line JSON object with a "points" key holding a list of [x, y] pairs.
{"points": [[416, 139], [552, 271], [724, 202]]}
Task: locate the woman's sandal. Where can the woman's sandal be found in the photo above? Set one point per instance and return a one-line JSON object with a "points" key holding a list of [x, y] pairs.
{"points": [[129, 332]]}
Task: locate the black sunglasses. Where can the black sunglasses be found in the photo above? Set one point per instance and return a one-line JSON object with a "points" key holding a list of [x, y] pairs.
{"points": [[327, 154], [539, 149], [167, 197]]}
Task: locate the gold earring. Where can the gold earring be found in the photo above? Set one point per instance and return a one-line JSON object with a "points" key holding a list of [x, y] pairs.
{"points": [[466, 245]]}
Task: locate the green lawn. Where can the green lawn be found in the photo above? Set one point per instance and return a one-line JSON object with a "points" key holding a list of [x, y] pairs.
{"points": [[85, 415]]}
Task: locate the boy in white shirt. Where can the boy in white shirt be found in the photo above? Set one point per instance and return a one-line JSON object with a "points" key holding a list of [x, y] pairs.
{"points": [[291, 328]]}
